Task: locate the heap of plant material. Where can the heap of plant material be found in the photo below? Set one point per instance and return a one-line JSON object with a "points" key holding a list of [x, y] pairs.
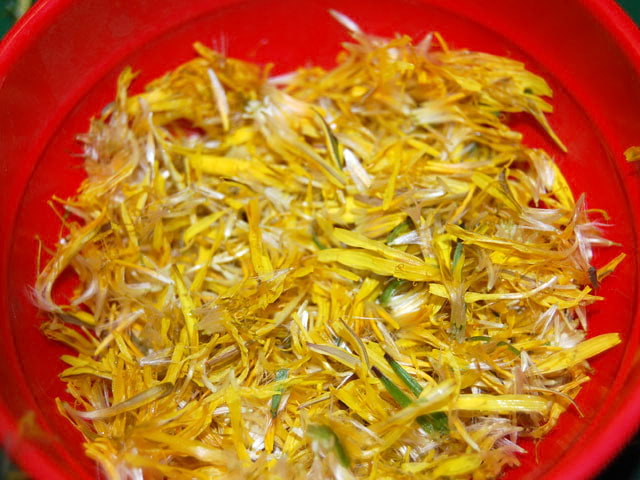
{"points": [[353, 273]]}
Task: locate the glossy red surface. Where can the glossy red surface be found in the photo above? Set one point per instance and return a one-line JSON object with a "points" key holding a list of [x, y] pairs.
{"points": [[58, 68]]}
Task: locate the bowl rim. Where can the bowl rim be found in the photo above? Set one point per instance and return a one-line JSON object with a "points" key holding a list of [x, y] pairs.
{"points": [[624, 422]]}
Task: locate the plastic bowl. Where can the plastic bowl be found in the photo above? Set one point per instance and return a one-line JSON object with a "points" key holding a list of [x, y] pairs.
{"points": [[58, 68]]}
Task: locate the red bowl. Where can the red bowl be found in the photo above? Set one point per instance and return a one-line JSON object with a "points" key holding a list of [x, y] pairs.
{"points": [[58, 67]]}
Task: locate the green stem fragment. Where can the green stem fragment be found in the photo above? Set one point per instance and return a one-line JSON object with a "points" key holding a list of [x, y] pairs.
{"points": [[431, 423], [436, 422], [511, 348], [482, 338], [281, 375], [397, 231], [398, 395], [328, 440], [317, 241], [390, 290], [457, 254], [408, 380]]}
